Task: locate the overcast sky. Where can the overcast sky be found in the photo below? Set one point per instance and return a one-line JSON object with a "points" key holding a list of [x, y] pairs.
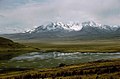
{"points": [[20, 15]]}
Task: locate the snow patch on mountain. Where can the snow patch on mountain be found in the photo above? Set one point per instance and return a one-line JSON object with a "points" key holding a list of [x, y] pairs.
{"points": [[30, 30], [57, 26]]}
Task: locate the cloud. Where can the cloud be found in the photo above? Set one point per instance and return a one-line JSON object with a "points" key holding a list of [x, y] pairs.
{"points": [[25, 14]]}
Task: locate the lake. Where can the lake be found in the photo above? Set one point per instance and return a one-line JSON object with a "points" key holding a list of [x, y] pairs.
{"points": [[53, 59]]}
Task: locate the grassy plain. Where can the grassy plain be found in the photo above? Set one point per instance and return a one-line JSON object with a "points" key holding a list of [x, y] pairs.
{"points": [[78, 46]]}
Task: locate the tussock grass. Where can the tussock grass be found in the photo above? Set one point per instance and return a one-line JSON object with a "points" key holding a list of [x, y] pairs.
{"points": [[102, 69]]}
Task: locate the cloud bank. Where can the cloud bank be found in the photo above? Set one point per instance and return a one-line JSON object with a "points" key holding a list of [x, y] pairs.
{"points": [[20, 15]]}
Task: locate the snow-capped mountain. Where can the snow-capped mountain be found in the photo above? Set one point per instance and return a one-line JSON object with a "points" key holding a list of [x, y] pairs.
{"points": [[59, 30], [100, 26], [59, 26]]}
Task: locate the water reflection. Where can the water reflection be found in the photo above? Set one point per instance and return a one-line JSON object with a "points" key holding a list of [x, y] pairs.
{"points": [[53, 59]]}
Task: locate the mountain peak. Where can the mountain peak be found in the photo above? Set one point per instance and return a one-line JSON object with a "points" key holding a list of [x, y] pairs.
{"points": [[90, 23], [68, 26]]}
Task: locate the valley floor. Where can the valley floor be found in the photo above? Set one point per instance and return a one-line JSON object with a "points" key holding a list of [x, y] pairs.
{"points": [[102, 69], [78, 46]]}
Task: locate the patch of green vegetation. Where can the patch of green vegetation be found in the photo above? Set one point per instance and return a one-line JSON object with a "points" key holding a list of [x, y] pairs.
{"points": [[102, 69], [9, 55]]}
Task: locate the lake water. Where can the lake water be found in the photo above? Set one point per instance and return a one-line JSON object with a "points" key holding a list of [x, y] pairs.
{"points": [[53, 59]]}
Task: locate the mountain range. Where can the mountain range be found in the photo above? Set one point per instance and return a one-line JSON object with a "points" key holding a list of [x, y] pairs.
{"points": [[72, 31]]}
